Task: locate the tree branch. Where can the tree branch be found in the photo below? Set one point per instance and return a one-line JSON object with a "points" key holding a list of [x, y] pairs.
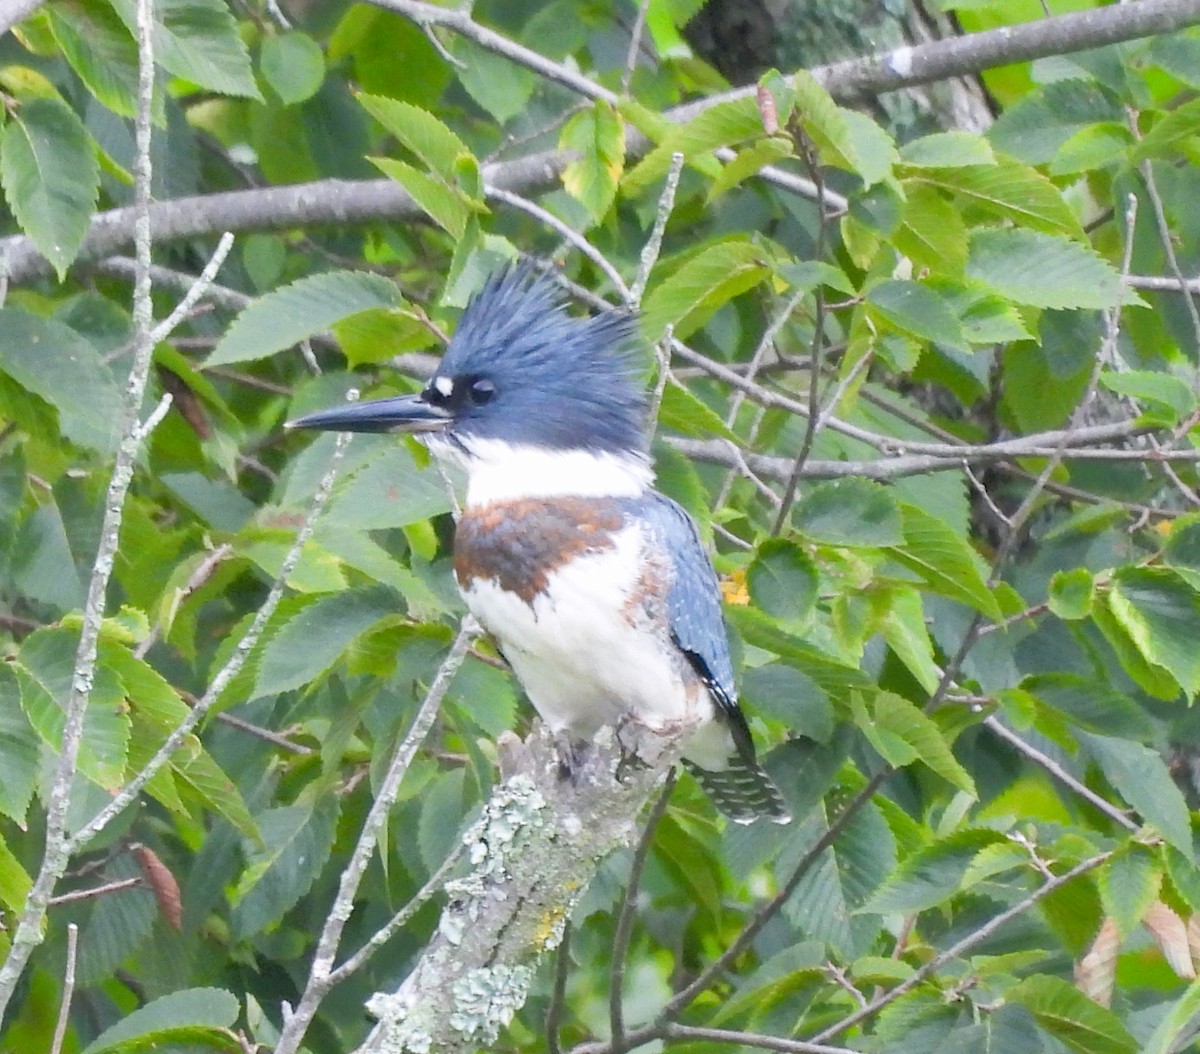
{"points": [[502, 917], [344, 203]]}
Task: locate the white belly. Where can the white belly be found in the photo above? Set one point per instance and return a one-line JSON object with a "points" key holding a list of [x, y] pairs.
{"points": [[585, 653]]}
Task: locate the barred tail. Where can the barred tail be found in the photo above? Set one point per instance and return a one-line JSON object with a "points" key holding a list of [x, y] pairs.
{"points": [[742, 791]]}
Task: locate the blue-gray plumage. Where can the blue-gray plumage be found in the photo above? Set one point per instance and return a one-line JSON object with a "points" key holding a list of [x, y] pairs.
{"points": [[597, 588]]}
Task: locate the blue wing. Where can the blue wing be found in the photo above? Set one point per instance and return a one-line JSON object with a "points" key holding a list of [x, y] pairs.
{"points": [[694, 609]]}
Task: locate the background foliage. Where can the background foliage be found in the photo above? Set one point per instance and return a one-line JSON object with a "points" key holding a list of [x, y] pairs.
{"points": [[935, 411]]}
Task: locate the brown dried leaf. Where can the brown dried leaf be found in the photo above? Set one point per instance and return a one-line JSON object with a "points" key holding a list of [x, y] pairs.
{"points": [[1171, 935], [1096, 972], [1193, 935], [162, 883]]}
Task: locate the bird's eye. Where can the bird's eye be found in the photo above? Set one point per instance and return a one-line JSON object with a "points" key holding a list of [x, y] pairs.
{"points": [[481, 390]]}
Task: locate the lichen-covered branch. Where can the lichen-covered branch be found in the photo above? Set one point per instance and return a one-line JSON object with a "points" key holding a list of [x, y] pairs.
{"points": [[532, 854]]}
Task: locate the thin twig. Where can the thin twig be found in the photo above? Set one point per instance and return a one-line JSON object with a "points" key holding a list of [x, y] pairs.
{"points": [[64, 1009], [397, 922], [998, 728], [198, 578], [320, 973], [635, 43], [751, 1039], [653, 246], [92, 892], [570, 234], [562, 968], [628, 910], [958, 949], [198, 290]]}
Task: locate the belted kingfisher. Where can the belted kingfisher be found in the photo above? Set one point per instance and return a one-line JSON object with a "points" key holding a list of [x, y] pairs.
{"points": [[596, 588]]}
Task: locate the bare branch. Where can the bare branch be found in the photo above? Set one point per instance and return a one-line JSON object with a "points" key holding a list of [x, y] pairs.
{"points": [[64, 1010], [58, 846], [319, 982], [1001, 730], [344, 203]]}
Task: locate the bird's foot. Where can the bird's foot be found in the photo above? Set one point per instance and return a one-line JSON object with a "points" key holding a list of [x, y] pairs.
{"points": [[570, 755]]}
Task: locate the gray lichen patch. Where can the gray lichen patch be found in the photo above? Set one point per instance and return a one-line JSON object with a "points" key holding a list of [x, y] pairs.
{"points": [[486, 999]]}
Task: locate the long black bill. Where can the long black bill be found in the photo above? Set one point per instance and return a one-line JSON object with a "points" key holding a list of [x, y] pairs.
{"points": [[403, 413]]}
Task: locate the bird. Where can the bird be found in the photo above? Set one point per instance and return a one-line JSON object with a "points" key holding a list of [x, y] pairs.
{"points": [[596, 588]]}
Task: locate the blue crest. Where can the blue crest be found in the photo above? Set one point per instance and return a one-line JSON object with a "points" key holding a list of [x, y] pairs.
{"points": [[559, 381]]}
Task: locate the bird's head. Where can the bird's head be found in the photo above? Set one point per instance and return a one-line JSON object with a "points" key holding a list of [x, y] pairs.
{"points": [[519, 374]]}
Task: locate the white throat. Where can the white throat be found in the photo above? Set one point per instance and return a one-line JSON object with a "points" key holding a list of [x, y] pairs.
{"points": [[500, 471]]}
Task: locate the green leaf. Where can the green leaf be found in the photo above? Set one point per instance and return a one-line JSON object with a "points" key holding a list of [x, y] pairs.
{"points": [[198, 40], [15, 883], [100, 49], [1091, 704], [500, 86], [439, 202], [709, 279], [157, 712], [298, 311], [1007, 189], [748, 162], [55, 363], [20, 756], [783, 579], [1129, 884], [388, 491], [50, 177], [916, 309], [931, 874], [825, 123], [895, 718], [849, 512], [1178, 1025], [185, 1017], [43, 566], [1164, 138], [720, 125], [1149, 386], [1162, 617], [874, 150], [944, 560], [684, 412], [906, 633], [947, 150], [831, 902], [1043, 270], [1034, 128], [932, 232], [1071, 593], [597, 136], [1071, 1017], [296, 842], [45, 670], [1091, 149], [1142, 778], [293, 65], [438, 148], [441, 815], [789, 695], [311, 642]]}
